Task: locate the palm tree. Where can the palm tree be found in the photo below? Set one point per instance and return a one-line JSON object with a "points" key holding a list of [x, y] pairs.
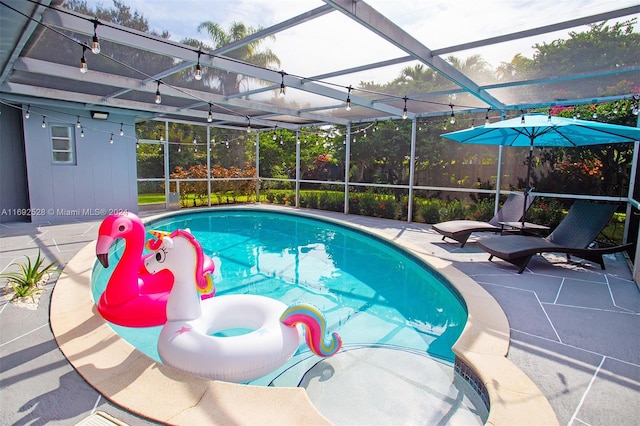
{"points": [[229, 83]]}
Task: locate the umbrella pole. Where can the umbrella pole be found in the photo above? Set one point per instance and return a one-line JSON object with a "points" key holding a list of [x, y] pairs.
{"points": [[528, 187]]}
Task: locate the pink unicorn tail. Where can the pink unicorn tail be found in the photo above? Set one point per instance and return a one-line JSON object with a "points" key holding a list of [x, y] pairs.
{"points": [[313, 320]]}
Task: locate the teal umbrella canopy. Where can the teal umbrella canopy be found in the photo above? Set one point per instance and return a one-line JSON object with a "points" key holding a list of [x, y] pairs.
{"points": [[541, 130]]}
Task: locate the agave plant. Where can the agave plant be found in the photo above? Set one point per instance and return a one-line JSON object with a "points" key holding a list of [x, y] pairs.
{"points": [[25, 283]]}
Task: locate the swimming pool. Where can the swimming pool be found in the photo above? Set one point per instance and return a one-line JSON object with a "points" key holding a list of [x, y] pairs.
{"points": [[380, 299]]}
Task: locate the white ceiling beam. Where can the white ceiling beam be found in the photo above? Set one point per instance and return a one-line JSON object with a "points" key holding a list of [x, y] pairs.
{"points": [[37, 66], [379, 24]]}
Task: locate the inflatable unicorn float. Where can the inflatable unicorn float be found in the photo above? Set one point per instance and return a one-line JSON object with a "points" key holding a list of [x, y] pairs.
{"points": [[188, 339]]}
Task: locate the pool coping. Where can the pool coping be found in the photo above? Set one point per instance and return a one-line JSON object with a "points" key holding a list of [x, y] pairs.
{"points": [[161, 393]]}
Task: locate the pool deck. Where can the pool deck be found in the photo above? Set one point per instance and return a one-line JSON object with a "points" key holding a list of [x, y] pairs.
{"points": [[571, 332]]}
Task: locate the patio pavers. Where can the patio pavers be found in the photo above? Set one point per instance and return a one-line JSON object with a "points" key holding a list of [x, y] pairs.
{"points": [[590, 374]]}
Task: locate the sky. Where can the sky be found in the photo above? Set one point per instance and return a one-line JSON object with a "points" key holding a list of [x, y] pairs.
{"points": [[335, 42]]}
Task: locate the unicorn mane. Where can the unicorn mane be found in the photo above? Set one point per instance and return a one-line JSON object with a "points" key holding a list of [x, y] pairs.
{"points": [[204, 281]]}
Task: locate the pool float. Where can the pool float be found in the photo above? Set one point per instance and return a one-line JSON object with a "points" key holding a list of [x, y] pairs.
{"points": [[192, 340], [133, 297]]}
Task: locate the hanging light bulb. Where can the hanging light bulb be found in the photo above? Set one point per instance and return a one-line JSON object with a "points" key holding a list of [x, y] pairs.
{"points": [[195, 141], [210, 116], [486, 117], [595, 112], [249, 124], [452, 118], [404, 110], [634, 105], [95, 44], [83, 62], [121, 130], [44, 121], [198, 73], [78, 125], [615, 108], [549, 115], [82, 132], [282, 87], [179, 148], [522, 119], [473, 120], [137, 144], [27, 114], [158, 96], [111, 139], [348, 105]]}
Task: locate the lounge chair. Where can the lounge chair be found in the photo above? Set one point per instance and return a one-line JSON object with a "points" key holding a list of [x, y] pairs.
{"points": [[459, 230], [572, 236]]}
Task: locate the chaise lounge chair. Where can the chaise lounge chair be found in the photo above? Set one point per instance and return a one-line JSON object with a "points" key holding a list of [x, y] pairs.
{"points": [[459, 230], [572, 236]]}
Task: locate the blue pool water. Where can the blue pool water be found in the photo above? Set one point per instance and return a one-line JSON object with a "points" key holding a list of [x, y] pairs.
{"points": [[370, 291]]}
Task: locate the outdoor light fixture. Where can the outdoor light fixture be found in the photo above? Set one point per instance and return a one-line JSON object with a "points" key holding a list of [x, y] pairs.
{"points": [[404, 110], [198, 74], [26, 114], [486, 117], [282, 87], [111, 138], [121, 130], [95, 44], [99, 115], [44, 121], [83, 62], [452, 119], [158, 97], [348, 106], [210, 116], [81, 132], [249, 124], [78, 125]]}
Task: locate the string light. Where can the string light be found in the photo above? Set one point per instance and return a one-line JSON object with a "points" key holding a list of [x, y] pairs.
{"points": [[158, 97], [595, 111], [198, 74], [111, 139], [634, 105], [348, 105], [486, 117], [210, 116], [249, 124], [27, 114], [282, 87], [452, 119], [83, 62], [95, 44], [78, 125], [82, 132], [121, 130], [549, 115], [404, 110], [44, 121]]}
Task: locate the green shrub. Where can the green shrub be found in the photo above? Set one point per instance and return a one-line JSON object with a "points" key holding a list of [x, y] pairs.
{"points": [[454, 210], [483, 210]]}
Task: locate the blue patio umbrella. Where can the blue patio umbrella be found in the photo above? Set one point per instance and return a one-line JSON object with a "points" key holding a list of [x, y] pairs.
{"points": [[542, 130]]}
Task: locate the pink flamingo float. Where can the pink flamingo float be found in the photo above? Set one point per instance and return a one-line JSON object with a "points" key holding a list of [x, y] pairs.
{"points": [[191, 341], [133, 297]]}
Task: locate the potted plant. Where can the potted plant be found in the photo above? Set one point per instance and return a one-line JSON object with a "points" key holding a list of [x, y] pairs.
{"points": [[31, 278]]}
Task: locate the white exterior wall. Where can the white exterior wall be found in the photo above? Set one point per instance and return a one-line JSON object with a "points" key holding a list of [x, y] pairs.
{"points": [[102, 181]]}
